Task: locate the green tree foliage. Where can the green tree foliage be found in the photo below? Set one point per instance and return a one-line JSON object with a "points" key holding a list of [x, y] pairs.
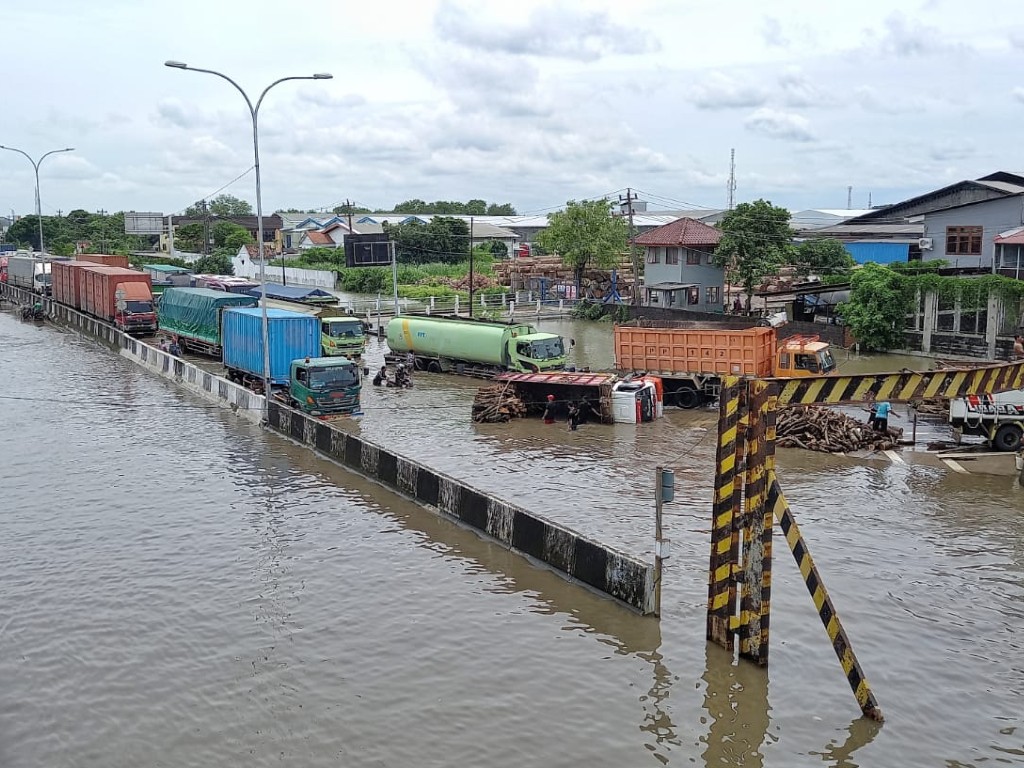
{"points": [[218, 263], [585, 235], [475, 207], [504, 209], [188, 238], [104, 233], [498, 249], [221, 205], [756, 241], [344, 210], [823, 258], [443, 240], [227, 234], [877, 309]]}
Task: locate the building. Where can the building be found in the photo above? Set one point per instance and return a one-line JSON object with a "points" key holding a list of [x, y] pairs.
{"points": [[818, 218], [678, 268], [959, 223], [271, 228]]}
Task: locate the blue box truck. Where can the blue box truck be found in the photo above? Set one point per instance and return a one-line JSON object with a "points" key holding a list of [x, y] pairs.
{"points": [[293, 336]]}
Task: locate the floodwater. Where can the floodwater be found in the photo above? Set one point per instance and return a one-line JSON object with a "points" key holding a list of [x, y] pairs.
{"points": [[179, 588]]}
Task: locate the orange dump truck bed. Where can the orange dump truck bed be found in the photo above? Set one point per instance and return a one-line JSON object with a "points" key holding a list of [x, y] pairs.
{"points": [[664, 351]]}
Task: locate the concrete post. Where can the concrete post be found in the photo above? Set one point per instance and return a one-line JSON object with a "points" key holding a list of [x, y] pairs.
{"points": [[930, 307], [958, 309], [994, 322], [456, 305]]}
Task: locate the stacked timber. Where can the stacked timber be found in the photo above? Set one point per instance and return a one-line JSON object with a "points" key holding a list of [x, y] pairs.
{"points": [[931, 406], [497, 403], [828, 431], [525, 272]]}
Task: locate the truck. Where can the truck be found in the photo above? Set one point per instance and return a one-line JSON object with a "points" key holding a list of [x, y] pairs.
{"points": [[692, 359], [473, 347], [195, 315], [341, 335], [119, 296], [320, 386], [67, 281], [29, 272], [999, 418]]}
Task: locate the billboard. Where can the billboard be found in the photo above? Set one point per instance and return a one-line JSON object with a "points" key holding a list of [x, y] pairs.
{"points": [[136, 223], [372, 250]]}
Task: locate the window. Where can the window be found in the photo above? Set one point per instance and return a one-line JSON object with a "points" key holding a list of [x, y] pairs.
{"points": [[652, 256], [714, 296], [963, 241], [709, 259], [692, 257], [784, 360], [671, 255], [301, 376], [693, 295]]}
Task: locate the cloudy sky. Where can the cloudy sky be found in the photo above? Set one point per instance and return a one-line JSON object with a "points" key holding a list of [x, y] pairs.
{"points": [[531, 102]]}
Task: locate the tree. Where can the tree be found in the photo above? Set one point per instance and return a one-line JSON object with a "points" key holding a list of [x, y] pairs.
{"points": [[497, 248], [822, 257], [585, 234], [443, 240], [411, 206], [227, 234], [218, 263], [756, 241], [221, 205], [877, 309], [476, 208], [505, 209], [188, 238], [342, 210]]}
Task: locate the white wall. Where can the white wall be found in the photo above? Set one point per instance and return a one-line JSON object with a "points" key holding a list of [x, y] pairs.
{"points": [[314, 277]]}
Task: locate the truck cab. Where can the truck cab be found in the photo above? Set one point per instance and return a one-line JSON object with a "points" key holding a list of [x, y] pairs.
{"points": [[135, 311], [536, 353], [801, 356], [342, 336], [325, 386]]}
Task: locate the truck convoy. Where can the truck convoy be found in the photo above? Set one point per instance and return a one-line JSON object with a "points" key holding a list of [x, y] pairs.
{"points": [[320, 386], [999, 418], [113, 294], [195, 315], [692, 360], [29, 272], [473, 347]]}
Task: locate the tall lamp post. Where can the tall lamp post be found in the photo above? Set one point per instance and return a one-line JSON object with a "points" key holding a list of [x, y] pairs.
{"points": [[254, 112], [35, 166]]}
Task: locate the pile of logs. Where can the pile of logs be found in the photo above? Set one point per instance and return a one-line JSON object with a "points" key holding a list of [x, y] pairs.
{"points": [[931, 406], [462, 283], [828, 431], [497, 403]]}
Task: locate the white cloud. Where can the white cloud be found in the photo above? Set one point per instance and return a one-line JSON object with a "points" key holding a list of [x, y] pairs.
{"points": [[720, 91], [776, 124], [1018, 94]]}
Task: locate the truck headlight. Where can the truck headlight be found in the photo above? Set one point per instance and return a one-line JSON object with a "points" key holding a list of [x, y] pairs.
{"points": [[310, 400]]}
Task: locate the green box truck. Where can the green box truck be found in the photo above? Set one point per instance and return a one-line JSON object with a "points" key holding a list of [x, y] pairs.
{"points": [[195, 316], [473, 347]]}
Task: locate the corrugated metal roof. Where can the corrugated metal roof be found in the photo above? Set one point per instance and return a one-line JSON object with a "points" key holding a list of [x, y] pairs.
{"points": [[879, 253], [1013, 236]]}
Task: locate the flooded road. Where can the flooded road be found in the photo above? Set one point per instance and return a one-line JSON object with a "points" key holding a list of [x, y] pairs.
{"points": [[178, 588]]}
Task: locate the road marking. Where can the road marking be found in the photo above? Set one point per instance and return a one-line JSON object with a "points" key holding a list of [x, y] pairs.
{"points": [[956, 466], [894, 457]]}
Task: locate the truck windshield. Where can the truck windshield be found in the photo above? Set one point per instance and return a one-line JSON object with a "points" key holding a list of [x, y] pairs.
{"points": [[44, 278], [826, 361], [547, 349], [333, 378], [137, 307], [345, 329]]}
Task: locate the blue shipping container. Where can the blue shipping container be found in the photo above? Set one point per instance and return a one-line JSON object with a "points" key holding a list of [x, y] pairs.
{"points": [[293, 336]]}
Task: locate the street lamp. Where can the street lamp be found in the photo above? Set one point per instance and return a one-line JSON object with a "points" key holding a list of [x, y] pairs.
{"points": [[254, 113], [35, 166]]}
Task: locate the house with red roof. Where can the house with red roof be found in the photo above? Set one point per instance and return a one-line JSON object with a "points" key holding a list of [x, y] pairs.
{"points": [[679, 272]]}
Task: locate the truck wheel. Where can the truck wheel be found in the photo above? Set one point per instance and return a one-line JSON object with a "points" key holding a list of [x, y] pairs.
{"points": [[1007, 438], [434, 367], [688, 397]]}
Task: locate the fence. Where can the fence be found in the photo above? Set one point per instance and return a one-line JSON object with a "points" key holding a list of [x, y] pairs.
{"points": [[317, 278]]}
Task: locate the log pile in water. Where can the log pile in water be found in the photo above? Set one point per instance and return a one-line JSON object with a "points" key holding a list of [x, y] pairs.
{"points": [[497, 403], [828, 431]]}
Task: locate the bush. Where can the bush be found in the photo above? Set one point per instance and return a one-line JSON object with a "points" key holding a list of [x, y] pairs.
{"points": [[364, 279]]}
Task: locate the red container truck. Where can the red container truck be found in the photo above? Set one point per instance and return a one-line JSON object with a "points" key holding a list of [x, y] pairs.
{"points": [[66, 277], [106, 259], [120, 296]]}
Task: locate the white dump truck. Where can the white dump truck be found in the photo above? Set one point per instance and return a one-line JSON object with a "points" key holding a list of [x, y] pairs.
{"points": [[999, 418]]}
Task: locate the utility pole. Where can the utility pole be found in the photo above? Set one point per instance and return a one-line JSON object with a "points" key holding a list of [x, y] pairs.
{"points": [[664, 490], [849, 198], [633, 255], [394, 275], [170, 235], [348, 208], [205, 212], [731, 186], [470, 266]]}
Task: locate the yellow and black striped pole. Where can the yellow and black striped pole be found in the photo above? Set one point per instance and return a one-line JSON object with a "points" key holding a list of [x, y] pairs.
{"points": [[726, 507], [822, 602]]}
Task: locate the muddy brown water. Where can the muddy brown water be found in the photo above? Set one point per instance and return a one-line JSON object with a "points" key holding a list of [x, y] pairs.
{"points": [[179, 588]]}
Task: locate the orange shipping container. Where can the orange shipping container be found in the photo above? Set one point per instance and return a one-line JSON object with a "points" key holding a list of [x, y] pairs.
{"points": [[66, 280], [106, 259], [99, 286], [664, 351]]}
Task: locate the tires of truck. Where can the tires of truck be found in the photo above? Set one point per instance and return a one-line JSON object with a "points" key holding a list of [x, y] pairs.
{"points": [[434, 367], [688, 397], [1008, 438]]}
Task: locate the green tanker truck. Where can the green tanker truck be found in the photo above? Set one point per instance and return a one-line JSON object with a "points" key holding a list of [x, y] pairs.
{"points": [[473, 347]]}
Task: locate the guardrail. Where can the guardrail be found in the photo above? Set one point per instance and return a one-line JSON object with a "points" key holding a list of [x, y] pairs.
{"points": [[503, 305]]}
